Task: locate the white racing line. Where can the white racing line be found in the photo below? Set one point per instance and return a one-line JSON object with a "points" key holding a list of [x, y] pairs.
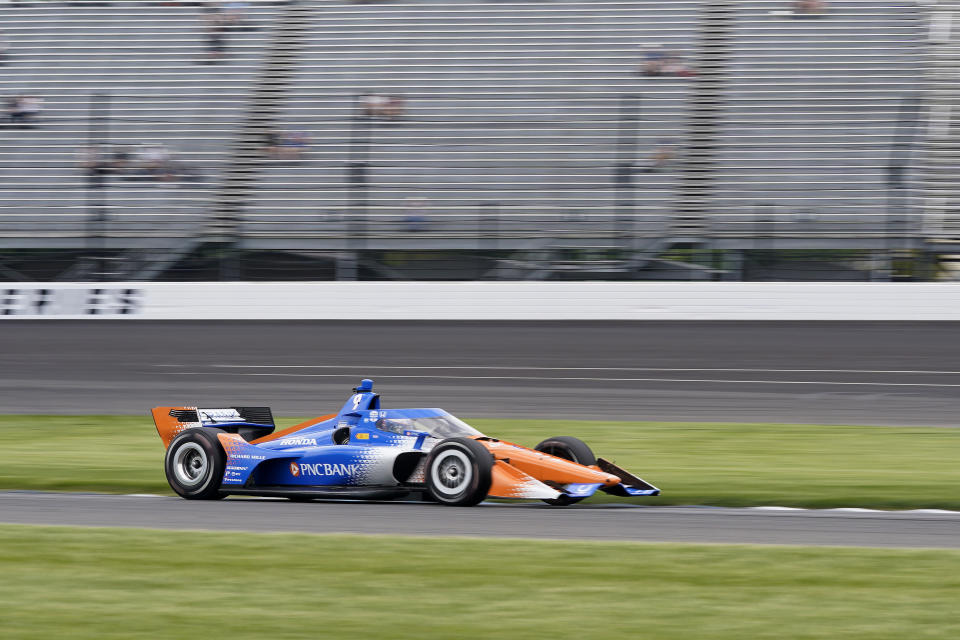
{"points": [[516, 368], [268, 370], [858, 510], [503, 368], [763, 508]]}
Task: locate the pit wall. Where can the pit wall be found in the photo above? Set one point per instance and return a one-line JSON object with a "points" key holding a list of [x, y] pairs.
{"points": [[481, 301]]}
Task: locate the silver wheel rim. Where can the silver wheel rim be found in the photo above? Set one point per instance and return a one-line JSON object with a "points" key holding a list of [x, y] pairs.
{"points": [[452, 472], [190, 464]]}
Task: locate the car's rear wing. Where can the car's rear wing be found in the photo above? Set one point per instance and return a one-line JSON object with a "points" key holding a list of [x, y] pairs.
{"points": [[249, 422]]}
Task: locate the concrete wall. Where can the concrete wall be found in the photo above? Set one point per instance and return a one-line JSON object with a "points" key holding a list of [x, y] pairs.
{"points": [[483, 301]]}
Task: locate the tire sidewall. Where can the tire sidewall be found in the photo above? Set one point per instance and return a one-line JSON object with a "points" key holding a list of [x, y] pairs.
{"points": [[575, 450], [480, 469], [206, 440]]}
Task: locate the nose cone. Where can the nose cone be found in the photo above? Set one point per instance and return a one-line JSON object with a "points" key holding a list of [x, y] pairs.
{"points": [[579, 473]]}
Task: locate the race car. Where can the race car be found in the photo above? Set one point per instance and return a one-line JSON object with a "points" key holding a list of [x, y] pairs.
{"points": [[368, 453]]}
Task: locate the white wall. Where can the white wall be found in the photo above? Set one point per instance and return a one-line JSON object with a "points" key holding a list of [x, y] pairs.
{"points": [[484, 301]]}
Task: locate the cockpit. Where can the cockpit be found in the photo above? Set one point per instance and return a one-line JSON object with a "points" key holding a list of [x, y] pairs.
{"points": [[438, 426]]}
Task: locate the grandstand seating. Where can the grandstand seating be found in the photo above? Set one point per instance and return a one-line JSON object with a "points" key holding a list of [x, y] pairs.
{"points": [[517, 104], [509, 105], [942, 158], [149, 60], [815, 107], [513, 120]]}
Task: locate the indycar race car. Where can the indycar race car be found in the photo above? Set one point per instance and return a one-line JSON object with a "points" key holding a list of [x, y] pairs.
{"points": [[365, 452]]}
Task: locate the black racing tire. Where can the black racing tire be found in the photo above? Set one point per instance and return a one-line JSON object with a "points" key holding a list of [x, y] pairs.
{"points": [[568, 448], [195, 463], [459, 472]]}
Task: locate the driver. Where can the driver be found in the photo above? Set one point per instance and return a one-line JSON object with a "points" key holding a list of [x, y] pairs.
{"points": [[392, 426]]}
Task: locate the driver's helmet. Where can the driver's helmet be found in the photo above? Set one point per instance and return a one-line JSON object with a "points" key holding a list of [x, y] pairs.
{"points": [[385, 424]]}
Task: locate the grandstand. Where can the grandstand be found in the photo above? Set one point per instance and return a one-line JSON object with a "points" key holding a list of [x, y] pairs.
{"points": [[546, 137]]}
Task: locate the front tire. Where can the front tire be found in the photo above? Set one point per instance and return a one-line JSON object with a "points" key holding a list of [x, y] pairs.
{"points": [[459, 472], [568, 448], [195, 463]]}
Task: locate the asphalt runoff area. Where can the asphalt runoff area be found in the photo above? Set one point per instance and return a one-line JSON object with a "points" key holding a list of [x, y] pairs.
{"points": [[876, 373]]}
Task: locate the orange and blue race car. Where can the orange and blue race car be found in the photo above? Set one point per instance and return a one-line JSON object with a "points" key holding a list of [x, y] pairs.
{"points": [[365, 452]]}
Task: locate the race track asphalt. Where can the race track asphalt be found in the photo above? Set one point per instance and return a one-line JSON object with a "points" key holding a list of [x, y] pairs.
{"points": [[896, 373], [581, 522], [803, 372]]}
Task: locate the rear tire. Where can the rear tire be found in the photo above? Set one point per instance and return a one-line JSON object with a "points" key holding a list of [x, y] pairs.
{"points": [[459, 472], [568, 448], [195, 463]]}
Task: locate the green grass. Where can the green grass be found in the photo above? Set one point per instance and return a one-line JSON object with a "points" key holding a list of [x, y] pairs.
{"points": [[770, 464], [110, 583], [717, 464]]}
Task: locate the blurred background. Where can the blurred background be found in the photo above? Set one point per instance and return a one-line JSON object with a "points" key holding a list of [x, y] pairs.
{"points": [[151, 149], [425, 140]]}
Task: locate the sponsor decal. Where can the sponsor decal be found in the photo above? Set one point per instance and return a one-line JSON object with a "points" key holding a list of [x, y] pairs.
{"points": [[298, 442], [70, 301], [216, 415], [327, 469], [363, 436], [294, 469], [581, 489]]}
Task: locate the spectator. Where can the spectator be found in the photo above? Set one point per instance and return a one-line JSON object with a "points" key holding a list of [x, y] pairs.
{"points": [[146, 162], [4, 50], [235, 16], [653, 60], [121, 160], [676, 67], [658, 61], [382, 106], [414, 218], [663, 154], [216, 33], [272, 143], [293, 145], [156, 160], [285, 146], [94, 161], [809, 7], [23, 110]]}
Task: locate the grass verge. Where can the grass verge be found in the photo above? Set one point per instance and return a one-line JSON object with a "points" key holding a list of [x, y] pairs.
{"points": [[111, 583], [717, 464]]}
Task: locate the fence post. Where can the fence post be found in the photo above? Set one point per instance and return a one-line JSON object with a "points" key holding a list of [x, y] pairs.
{"points": [[358, 166], [97, 136], [626, 152]]}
